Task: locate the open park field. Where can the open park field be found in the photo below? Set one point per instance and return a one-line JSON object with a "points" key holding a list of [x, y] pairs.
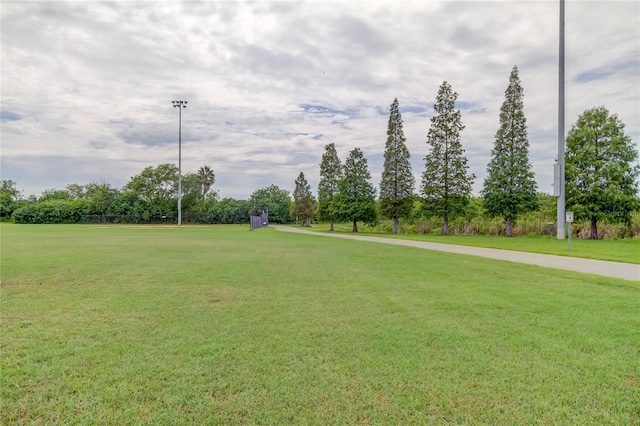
{"points": [[222, 325]]}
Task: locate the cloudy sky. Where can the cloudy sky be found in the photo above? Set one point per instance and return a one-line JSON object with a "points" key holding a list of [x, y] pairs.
{"points": [[87, 86]]}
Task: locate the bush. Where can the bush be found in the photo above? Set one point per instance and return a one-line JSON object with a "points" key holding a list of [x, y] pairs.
{"points": [[54, 211]]}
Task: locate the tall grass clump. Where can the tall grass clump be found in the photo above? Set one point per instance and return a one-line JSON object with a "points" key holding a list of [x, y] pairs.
{"points": [[531, 224], [607, 230]]}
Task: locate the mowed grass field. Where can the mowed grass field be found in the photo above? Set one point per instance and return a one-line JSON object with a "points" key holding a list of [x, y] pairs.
{"points": [[222, 325]]}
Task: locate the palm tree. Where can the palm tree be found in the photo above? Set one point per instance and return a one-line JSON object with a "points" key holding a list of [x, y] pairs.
{"points": [[206, 177]]}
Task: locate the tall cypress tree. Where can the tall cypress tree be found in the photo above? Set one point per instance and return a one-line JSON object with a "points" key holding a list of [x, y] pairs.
{"points": [[304, 204], [397, 184], [446, 184], [330, 175], [356, 198], [510, 188]]}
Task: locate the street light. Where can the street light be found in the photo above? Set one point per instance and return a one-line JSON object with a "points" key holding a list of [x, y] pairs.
{"points": [[179, 105]]}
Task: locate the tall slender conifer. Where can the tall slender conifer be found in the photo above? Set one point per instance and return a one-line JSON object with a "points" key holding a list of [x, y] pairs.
{"points": [[330, 175], [304, 204], [397, 184], [446, 184], [510, 187], [356, 198]]}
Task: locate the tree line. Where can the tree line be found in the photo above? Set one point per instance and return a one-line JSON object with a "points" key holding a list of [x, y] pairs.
{"points": [[601, 181], [149, 197], [601, 178]]}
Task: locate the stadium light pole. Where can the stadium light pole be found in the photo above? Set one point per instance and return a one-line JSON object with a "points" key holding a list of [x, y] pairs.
{"points": [[561, 163], [179, 105]]}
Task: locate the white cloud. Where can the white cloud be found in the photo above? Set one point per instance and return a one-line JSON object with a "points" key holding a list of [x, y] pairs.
{"points": [[270, 83]]}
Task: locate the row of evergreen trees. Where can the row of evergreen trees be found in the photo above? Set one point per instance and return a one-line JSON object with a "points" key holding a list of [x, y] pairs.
{"points": [[345, 193], [601, 179]]}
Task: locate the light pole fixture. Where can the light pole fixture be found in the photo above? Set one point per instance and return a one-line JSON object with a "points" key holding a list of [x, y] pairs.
{"points": [[179, 105]]}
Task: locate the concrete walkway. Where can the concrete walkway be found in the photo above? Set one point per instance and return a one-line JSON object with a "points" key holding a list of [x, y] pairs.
{"points": [[626, 271]]}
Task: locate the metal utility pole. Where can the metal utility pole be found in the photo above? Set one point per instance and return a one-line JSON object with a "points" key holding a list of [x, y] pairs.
{"points": [[560, 179], [179, 105]]}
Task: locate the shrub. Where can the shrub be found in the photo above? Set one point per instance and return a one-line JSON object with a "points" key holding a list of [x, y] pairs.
{"points": [[54, 211]]}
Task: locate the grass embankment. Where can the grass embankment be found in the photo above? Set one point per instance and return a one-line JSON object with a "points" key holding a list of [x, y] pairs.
{"points": [[627, 250], [207, 325]]}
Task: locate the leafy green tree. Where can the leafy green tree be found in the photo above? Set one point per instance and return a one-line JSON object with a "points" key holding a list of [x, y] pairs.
{"points": [[356, 198], [7, 205], [191, 192], [76, 191], [130, 203], [330, 175], [93, 188], [100, 196], [446, 184], [207, 178], [304, 204], [473, 209], [230, 210], [155, 183], [9, 197], [601, 179], [101, 200], [398, 183], [510, 187], [7, 186], [158, 187], [547, 206], [277, 200], [54, 194]]}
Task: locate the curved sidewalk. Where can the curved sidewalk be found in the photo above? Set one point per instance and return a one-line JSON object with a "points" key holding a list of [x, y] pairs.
{"points": [[626, 271]]}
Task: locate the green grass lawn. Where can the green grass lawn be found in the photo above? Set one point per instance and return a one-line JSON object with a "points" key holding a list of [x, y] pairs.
{"points": [[627, 250], [206, 325]]}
